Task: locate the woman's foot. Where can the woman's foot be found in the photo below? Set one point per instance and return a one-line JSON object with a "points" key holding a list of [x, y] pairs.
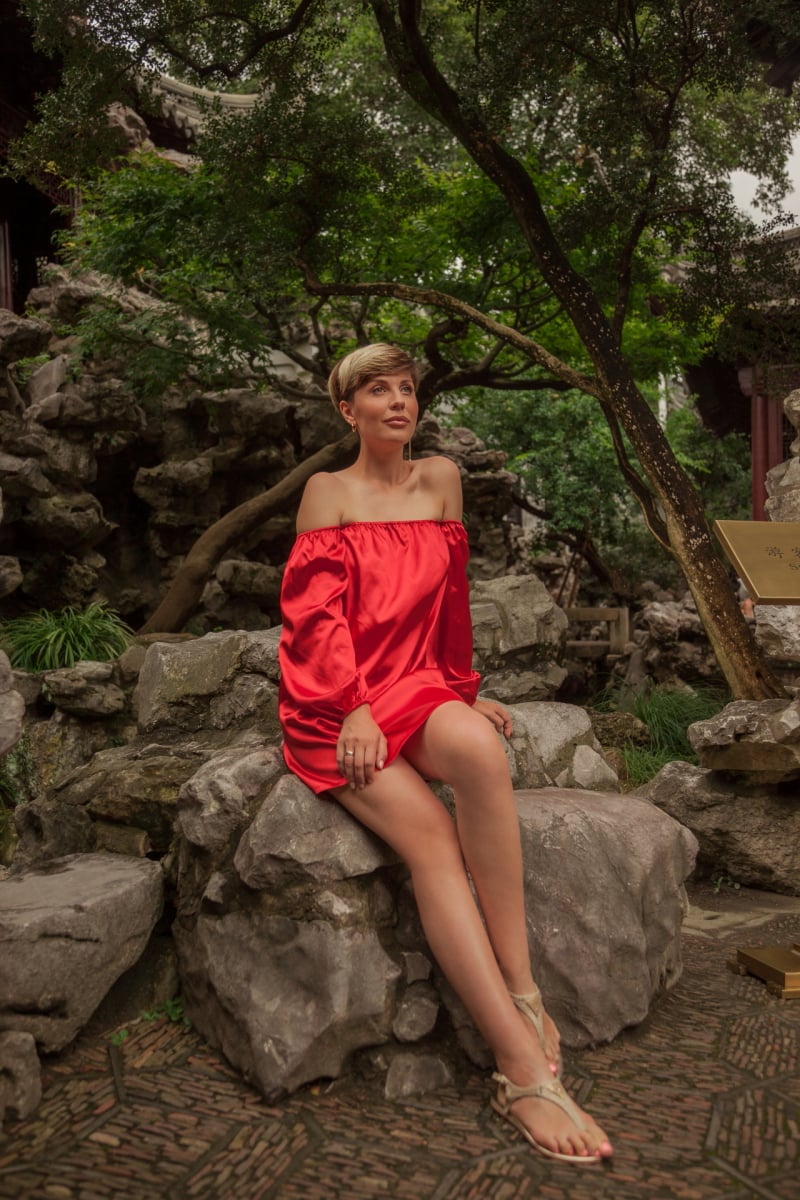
{"points": [[542, 1026], [550, 1120]]}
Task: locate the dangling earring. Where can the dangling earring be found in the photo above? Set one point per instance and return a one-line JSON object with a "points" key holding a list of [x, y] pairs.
{"points": [[408, 448]]}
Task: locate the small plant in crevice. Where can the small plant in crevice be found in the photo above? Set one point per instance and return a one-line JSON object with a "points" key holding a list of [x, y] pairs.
{"points": [[171, 1009], [45, 640]]}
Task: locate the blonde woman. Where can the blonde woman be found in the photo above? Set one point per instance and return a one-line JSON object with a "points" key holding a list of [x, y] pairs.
{"points": [[378, 695]]}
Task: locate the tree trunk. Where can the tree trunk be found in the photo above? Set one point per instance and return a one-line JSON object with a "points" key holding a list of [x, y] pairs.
{"points": [[186, 588], [740, 660]]}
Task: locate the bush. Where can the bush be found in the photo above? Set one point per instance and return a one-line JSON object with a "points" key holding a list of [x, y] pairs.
{"points": [[45, 641]]}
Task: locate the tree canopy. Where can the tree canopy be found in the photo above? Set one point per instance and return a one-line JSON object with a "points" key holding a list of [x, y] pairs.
{"points": [[498, 185]]}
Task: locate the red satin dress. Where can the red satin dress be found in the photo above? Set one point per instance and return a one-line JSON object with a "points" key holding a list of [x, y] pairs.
{"points": [[377, 612]]}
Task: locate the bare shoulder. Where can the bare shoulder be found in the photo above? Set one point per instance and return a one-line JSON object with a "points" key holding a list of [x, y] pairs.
{"points": [[322, 502], [442, 476]]}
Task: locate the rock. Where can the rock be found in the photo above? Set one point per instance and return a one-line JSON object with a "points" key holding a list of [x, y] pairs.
{"points": [[604, 891], [285, 1001], [416, 1014], [21, 337], [178, 678], [23, 477], [67, 520], [156, 485], [67, 932], [48, 378], [758, 738], [411, 1074], [619, 729], [137, 786], [85, 690], [10, 574], [47, 830], [20, 1077], [748, 832], [552, 741], [298, 835], [219, 799], [515, 612], [12, 707], [778, 631]]}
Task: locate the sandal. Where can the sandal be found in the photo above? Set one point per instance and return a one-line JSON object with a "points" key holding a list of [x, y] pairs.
{"points": [[508, 1093], [530, 1006]]}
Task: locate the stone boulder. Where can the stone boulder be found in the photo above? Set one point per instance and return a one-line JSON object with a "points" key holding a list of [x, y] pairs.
{"points": [[68, 930], [555, 743], [778, 632], [12, 707], [21, 337], [745, 831], [216, 682], [760, 739], [85, 690], [20, 1076], [518, 631], [604, 891]]}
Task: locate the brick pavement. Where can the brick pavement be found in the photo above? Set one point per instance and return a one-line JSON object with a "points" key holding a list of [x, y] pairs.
{"points": [[702, 1102]]}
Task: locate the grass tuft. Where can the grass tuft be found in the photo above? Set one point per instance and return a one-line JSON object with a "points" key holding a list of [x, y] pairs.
{"points": [[46, 641]]}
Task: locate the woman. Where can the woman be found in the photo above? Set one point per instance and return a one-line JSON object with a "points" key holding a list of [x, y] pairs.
{"points": [[378, 695]]}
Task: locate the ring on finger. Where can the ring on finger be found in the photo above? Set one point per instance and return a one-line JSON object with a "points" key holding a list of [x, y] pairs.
{"points": [[349, 753]]}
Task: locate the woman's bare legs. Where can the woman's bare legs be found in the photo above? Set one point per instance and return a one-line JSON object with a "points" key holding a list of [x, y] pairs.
{"points": [[400, 808], [461, 747]]}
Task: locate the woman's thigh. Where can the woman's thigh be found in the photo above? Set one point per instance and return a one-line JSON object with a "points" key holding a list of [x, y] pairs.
{"points": [[458, 746], [401, 809]]}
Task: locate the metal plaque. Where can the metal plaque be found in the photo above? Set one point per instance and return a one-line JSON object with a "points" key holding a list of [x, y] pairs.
{"points": [[766, 555]]}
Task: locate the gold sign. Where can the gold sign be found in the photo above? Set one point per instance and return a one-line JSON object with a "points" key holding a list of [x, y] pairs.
{"points": [[766, 555]]}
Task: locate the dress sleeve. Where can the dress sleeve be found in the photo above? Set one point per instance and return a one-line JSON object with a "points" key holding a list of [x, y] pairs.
{"points": [[455, 635], [318, 665]]}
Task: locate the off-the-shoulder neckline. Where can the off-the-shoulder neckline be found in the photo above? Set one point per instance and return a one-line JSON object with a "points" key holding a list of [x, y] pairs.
{"points": [[356, 524]]}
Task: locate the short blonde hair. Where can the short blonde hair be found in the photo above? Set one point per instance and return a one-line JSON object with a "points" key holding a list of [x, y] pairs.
{"points": [[358, 367]]}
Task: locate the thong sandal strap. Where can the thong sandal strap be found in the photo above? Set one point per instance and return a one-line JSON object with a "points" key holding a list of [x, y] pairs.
{"points": [[554, 1092]]}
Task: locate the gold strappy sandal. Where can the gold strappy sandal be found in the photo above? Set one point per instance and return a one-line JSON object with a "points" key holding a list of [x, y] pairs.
{"points": [[530, 1005], [508, 1093]]}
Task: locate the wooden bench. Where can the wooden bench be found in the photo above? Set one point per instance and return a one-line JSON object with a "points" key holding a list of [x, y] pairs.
{"points": [[618, 621]]}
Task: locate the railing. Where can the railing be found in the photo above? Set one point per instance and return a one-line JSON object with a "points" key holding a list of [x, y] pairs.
{"points": [[618, 621]]}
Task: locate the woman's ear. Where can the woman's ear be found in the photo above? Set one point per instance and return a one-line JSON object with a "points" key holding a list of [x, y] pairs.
{"points": [[347, 413]]}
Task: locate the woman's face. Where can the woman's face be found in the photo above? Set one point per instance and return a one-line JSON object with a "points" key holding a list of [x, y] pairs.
{"points": [[384, 408]]}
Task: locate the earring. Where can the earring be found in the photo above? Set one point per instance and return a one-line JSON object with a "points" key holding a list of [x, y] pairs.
{"points": [[408, 447]]}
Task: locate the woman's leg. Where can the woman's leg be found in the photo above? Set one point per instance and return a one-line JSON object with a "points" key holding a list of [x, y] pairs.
{"points": [[400, 808]]}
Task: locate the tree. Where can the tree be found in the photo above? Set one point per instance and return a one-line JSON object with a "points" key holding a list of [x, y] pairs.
{"points": [[604, 131]]}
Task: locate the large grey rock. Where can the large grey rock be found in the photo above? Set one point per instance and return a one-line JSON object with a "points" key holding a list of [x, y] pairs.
{"points": [[135, 786], [67, 932], [199, 684], [778, 631], [21, 337], [604, 890], [219, 799], [513, 613], [85, 690], [297, 835], [759, 738], [286, 1001], [20, 1076], [47, 830], [748, 832], [23, 477], [67, 520], [12, 707], [555, 743]]}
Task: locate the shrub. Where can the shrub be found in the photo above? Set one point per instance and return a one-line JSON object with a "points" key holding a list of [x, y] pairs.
{"points": [[45, 640]]}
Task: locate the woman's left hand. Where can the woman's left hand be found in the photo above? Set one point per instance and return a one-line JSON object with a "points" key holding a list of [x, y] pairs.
{"points": [[500, 717]]}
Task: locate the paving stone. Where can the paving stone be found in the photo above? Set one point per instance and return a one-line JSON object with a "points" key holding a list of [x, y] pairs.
{"points": [[702, 1103]]}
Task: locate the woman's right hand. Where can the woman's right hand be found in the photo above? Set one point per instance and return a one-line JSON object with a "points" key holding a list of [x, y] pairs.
{"points": [[361, 749]]}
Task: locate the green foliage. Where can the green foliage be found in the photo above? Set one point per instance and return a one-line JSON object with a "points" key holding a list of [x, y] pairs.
{"points": [[171, 1009], [667, 713], [45, 641]]}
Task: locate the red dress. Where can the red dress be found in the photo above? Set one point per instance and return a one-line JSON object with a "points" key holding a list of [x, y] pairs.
{"points": [[378, 612]]}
